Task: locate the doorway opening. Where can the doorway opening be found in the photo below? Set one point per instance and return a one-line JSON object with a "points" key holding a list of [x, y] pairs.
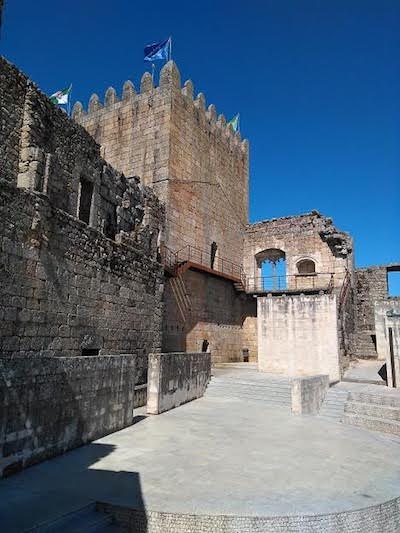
{"points": [[213, 254], [205, 345]]}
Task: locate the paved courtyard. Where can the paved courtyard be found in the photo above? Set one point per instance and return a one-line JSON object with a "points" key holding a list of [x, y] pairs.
{"points": [[213, 456]]}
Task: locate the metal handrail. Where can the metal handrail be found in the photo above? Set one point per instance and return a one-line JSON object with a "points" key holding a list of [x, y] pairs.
{"points": [[318, 281], [172, 260]]}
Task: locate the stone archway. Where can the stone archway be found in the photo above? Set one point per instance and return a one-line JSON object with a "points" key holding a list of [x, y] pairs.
{"points": [[271, 269]]}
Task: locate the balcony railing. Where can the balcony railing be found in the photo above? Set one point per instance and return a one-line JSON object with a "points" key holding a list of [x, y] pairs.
{"points": [[318, 281], [308, 282]]}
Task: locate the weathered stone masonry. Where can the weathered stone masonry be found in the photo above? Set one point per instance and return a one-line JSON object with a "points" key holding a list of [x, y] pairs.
{"points": [[198, 166], [65, 287], [49, 405], [79, 276]]}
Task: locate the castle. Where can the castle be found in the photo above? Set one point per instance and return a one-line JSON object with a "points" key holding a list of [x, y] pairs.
{"points": [[125, 232]]}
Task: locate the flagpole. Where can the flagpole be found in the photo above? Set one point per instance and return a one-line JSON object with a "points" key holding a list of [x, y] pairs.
{"points": [[170, 48], [153, 68], [69, 101]]}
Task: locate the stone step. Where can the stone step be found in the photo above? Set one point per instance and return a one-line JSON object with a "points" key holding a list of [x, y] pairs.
{"points": [[333, 406], [247, 389], [276, 400], [237, 386], [372, 423], [254, 394], [392, 400], [386, 412], [250, 384], [86, 519]]}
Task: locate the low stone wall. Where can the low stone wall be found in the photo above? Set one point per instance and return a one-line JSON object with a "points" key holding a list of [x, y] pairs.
{"points": [[308, 394], [382, 518], [49, 405], [176, 378]]}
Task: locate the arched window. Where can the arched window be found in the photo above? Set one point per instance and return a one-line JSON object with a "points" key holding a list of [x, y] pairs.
{"points": [[271, 269], [306, 266]]}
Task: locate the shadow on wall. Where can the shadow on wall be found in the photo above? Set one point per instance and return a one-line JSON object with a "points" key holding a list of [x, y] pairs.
{"points": [[55, 489], [52, 404], [211, 302]]}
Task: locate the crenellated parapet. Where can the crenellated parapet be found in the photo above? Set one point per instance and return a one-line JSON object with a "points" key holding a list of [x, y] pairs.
{"points": [[169, 85]]}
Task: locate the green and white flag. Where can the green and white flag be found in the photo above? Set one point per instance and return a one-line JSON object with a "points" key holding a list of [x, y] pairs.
{"points": [[61, 97], [234, 123]]}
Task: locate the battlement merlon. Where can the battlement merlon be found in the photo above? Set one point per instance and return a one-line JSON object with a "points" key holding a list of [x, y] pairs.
{"points": [[170, 83]]}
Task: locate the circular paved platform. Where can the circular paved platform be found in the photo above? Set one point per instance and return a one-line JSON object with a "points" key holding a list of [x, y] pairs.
{"points": [[224, 457], [216, 456]]}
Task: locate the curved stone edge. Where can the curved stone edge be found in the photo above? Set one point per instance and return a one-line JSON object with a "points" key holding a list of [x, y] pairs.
{"points": [[378, 518]]}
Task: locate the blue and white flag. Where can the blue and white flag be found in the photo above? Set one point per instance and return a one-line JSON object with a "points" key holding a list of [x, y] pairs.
{"points": [[155, 51]]}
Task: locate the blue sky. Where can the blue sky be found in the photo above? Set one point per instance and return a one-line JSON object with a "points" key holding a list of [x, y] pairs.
{"points": [[317, 84]]}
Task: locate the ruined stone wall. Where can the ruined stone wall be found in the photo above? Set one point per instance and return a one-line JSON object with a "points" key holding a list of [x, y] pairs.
{"points": [[13, 87], [52, 404], [298, 335], [68, 285], [71, 290], [309, 236], [65, 286], [370, 287], [201, 307], [45, 151]]}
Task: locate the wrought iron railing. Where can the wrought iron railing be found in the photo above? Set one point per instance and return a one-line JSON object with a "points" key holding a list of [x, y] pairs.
{"points": [[173, 260], [206, 258], [316, 281]]}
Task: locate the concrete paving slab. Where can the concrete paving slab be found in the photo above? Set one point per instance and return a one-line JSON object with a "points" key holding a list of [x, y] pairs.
{"points": [[213, 456]]}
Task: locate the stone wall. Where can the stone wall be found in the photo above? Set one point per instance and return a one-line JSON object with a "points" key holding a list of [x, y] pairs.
{"points": [[383, 518], [52, 404], [13, 86], [370, 287], [202, 307], [308, 394], [65, 287], [387, 317], [208, 178], [45, 151], [298, 335], [309, 236], [194, 162], [198, 166], [175, 379]]}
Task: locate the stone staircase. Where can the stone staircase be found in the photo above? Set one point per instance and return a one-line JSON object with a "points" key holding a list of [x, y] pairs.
{"points": [[377, 412], [250, 385], [86, 520], [334, 404]]}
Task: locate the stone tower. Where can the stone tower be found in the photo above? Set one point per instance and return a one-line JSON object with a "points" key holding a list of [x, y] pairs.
{"points": [[198, 166]]}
